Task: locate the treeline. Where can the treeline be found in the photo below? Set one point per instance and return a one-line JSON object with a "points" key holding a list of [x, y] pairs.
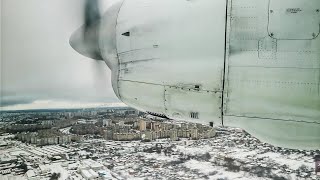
{"points": [[83, 129], [17, 128]]}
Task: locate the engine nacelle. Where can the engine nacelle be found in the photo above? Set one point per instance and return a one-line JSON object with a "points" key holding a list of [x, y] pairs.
{"points": [[170, 62], [244, 63]]}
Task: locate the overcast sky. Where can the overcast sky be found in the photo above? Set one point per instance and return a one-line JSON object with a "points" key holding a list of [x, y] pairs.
{"points": [[39, 69]]}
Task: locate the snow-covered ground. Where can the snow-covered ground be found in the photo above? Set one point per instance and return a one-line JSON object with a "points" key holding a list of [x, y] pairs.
{"points": [[233, 154], [65, 130]]}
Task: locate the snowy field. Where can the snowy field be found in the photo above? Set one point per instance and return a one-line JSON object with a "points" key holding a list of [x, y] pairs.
{"points": [[233, 154]]}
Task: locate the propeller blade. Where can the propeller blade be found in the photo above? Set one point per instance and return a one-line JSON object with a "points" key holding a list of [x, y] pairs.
{"points": [[92, 12], [86, 39]]}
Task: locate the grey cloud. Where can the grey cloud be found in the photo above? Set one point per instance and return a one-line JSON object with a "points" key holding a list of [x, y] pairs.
{"points": [[76, 95], [37, 62], [14, 101]]}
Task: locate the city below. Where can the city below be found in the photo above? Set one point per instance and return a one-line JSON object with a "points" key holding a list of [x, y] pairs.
{"points": [[123, 143]]}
